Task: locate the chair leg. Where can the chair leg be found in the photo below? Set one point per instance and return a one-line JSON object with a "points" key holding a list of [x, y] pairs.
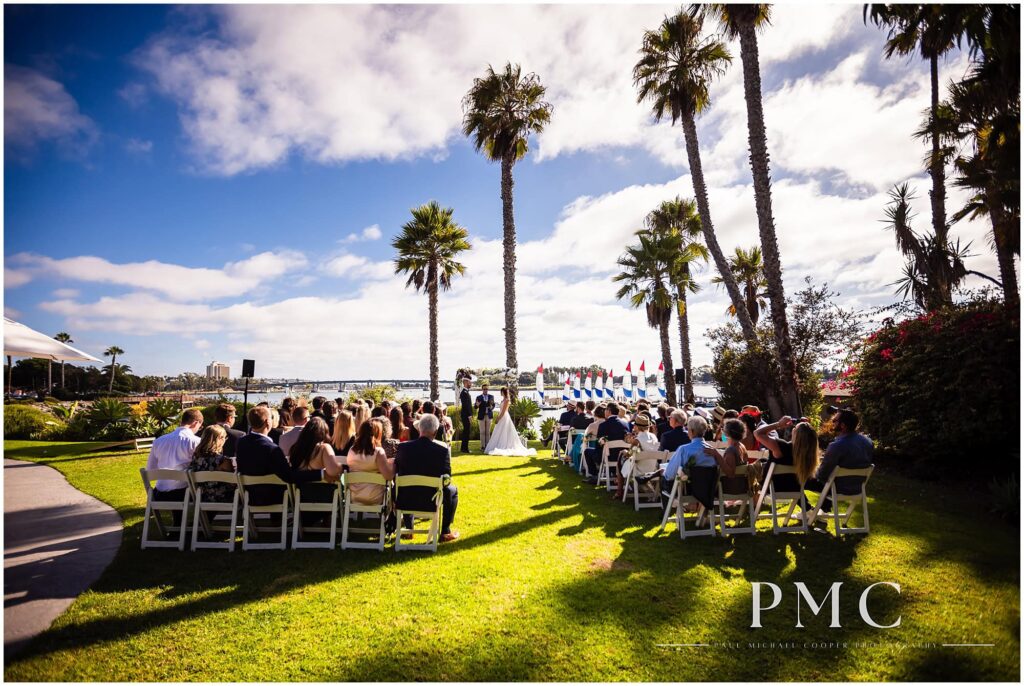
{"points": [[197, 520], [864, 507], [145, 525], [183, 534], [234, 523]]}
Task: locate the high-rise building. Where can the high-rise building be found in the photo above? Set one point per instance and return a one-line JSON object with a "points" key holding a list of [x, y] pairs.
{"points": [[218, 370]]}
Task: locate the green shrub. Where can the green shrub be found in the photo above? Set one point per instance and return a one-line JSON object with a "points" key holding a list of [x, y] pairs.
{"points": [[547, 427], [377, 394], [26, 422], [165, 412], [524, 411], [943, 388], [474, 425]]}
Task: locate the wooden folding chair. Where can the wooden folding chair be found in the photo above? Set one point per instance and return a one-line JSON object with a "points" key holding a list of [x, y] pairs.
{"points": [[775, 497], [360, 509], [860, 499], [643, 463], [250, 511], [434, 517], [202, 509], [604, 472], [298, 507], [154, 507], [746, 505]]}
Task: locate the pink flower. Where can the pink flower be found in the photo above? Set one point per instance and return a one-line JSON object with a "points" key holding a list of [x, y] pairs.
{"points": [[886, 354]]}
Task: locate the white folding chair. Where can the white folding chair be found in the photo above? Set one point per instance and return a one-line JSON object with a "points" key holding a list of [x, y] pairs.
{"points": [[677, 501], [434, 517], [860, 499], [742, 500], [154, 507], [776, 497], [643, 463], [604, 472], [250, 511], [361, 510], [570, 437], [556, 450], [202, 510], [298, 507]]}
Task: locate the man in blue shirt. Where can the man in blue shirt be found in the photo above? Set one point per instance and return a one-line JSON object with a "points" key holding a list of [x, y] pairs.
{"points": [[696, 426], [850, 449]]}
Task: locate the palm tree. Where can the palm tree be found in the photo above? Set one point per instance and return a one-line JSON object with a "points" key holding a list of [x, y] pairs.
{"points": [[500, 111], [647, 283], [63, 337], [748, 269], [427, 250], [743, 22], [933, 30], [112, 352], [680, 218], [674, 73]]}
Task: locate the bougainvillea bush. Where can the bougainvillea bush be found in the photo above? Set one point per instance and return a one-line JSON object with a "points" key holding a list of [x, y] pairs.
{"points": [[942, 388]]}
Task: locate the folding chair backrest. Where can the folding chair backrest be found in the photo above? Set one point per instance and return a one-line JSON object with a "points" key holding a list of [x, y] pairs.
{"points": [[863, 472], [214, 477], [648, 460], [149, 476], [614, 445], [414, 480], [266, 480], [758, 454], [368, 478]]}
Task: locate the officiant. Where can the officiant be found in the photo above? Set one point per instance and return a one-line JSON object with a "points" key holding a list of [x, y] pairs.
{"points": [[484, 414]]}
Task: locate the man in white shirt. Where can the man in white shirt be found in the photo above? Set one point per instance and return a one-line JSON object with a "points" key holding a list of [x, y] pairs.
{"points": [[300, 416], [174, 451]]}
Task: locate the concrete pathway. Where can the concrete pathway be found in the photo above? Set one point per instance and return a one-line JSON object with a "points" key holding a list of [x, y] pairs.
{"points": [[57, 542]]}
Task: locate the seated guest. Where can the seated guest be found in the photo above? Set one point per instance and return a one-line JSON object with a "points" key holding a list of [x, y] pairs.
{"points": [[174, 451], [387, 441], [378, 411], [368, 455], [300, 415], [611, 429], [584, 416], [369, 404], [312, 451], [446, 428], [407, 414], [676, 434], [287, 405], [224, 415], [361, 415], [209, 457], [318, 404], [258, 456], [564, 422], [344, 434], [850, 450], [427, 407], [734, 455], [801, 453], [661, 425], [330, 410], [751, 421], [416, 411], [427, 457], [690, 455], [642, 438], [399, 431], [275, 426]]}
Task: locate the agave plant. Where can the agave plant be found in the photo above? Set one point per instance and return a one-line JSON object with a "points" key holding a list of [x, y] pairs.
{"points": [[65, 412], [164, 410], [107, 411], [524, 411], [547, 427]]}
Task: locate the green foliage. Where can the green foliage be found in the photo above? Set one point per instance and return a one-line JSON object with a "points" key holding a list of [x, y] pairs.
{"points": [[377, 394], [107, 411], [928, 385], [165, 412], [65, 413], [24, 421], [524, 411], [1006, 498], [474, 425], [547, 427]]}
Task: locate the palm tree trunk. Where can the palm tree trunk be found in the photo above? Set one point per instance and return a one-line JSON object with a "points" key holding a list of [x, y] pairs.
{"points": [[765, 221], [432, 300], [666, 361], [684, 344], [751, 293], [509, 263], [700, 190], [113, 362], [62, 373], [1002, 226], [938, 174]]}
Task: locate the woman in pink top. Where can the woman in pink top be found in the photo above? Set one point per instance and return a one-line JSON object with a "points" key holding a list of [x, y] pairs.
{"points": [[367, 455]]}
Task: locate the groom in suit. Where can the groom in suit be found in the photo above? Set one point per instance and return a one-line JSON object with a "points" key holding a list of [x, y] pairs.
{"points": [[465, 413], [485, 410]]}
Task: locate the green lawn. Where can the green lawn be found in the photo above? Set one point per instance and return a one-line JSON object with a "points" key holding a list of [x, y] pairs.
{"points": [[550, 581]]}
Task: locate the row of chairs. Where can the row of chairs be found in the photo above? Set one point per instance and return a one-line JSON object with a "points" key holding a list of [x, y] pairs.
{"points": [[730, 509], [209, 518]]}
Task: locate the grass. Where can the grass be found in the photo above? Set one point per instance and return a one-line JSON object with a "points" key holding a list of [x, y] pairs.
{"points": [[551, 580]]}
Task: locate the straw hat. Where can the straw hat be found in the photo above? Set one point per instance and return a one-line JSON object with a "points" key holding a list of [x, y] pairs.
{"points": [[719, 413], [642, 421]]}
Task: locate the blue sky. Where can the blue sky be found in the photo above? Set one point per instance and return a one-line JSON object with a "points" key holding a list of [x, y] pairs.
{"points": [[218, 183]]}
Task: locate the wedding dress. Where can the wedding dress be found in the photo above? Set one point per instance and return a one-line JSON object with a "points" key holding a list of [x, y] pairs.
{"points": [[505, 439]]}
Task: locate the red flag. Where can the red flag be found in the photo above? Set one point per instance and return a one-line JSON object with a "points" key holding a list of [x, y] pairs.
{"points": [[578, 374], [540, 369], [661, 366], [642, 370], [589, 374], [629, 366]]}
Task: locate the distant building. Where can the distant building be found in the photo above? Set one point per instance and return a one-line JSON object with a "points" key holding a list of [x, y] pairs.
{"points": [[218, 370]]}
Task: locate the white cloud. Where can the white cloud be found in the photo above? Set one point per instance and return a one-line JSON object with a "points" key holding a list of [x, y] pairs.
{"points": [[347, 265], [201, 344], [16, 277], [38, 109], [175, 281], [138, 146], [370, 233]]}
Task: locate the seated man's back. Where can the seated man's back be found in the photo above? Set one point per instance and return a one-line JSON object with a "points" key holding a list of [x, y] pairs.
{"points": [[258, 456], [422, 457]]}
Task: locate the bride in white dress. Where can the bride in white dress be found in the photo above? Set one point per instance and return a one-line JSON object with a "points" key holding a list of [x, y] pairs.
{"points": [[504, 437]]}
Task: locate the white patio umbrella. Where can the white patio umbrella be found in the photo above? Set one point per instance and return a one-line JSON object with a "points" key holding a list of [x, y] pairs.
{"points": [[21, 341]]}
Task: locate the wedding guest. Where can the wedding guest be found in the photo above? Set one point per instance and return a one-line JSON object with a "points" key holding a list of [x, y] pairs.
{"points": [[446, 429], [850, 450], [362, 415], [399, 430], [312, 451], [344, 433], [734, 455], [209, 457], [174, 451], [751, 422], [330, 410], [611, 429], [584, 416], [300, 415], [318, 404], [378, 411], [416, 405], [690, 454], [275, 426], [387, 441], [407, 414], [599, 416], [565, 420], [224, 416], [427, 407], [287, 405], [661, 425], [426, 457], [640, 437], [676, 435], [801, 452], [368, 455]]}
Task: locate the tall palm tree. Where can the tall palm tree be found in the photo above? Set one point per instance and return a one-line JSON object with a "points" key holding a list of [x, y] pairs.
{"points": [[646, 276], [112, 352], [680, 218], [427, 250], [743, 22], [748, 268], [674, 72], [500, 111], [63, 337], [933, 30]]}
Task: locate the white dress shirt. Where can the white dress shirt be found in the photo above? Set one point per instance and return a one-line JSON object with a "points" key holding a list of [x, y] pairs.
{"points": [[648, 441], [173, 451]]}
